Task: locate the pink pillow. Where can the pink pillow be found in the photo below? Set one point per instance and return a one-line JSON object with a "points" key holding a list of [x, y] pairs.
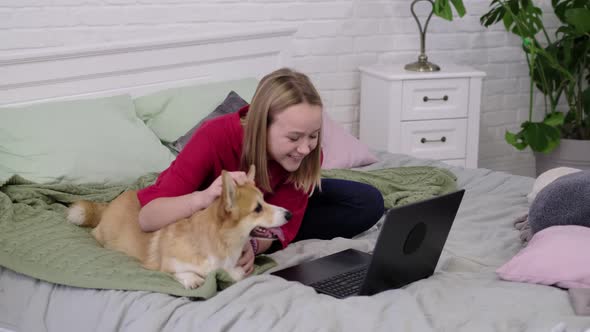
{"points": [[557, 255], [341, 149]]}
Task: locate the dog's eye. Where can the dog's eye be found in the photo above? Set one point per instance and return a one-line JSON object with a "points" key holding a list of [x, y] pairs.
{"points": [[258, 208]]}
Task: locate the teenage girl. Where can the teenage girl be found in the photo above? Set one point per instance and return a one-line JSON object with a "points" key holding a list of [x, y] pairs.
{"points": [[280, 134]]}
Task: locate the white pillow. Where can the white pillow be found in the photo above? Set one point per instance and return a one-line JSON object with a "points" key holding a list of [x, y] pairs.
{"points": [[171, 113], [92, 140]]}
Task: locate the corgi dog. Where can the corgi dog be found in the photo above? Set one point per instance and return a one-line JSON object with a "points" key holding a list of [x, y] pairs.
{"points": [[190, 248]]}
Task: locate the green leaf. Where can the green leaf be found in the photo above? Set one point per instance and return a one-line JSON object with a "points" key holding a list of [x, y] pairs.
{"points": [[514, 6], [559, 8], [586, 101], [459, 7], [508, 22], [540, 136], [515, 140], [493, 16], [567, 44], [442, 8], [447, 13], [553, 142], [570, 117], [579, 18], [554, 119]]}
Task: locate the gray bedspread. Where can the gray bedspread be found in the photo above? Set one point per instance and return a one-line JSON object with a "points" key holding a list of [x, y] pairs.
{"points": [[464, 294]]}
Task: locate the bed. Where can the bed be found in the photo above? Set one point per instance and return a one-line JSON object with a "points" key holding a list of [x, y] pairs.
{"points": [[464, 294]]}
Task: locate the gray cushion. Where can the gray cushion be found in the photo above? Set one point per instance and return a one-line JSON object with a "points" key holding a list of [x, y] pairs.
{"points": [[565, 201], [232, 103]]}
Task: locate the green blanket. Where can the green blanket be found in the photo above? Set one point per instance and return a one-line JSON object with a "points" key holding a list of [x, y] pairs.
{"points": [[36, 240], [401, 185]]}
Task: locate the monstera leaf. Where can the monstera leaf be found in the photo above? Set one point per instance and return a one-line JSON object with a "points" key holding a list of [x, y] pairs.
{"points": [[540, 136], [442, 8], [579, 18]]}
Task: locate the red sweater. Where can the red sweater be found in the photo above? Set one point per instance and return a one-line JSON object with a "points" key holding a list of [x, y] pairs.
{"points": [[215, 146]]}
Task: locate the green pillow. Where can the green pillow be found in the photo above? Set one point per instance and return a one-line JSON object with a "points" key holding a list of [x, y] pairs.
{"points": [[91, 140], [173, 112]]}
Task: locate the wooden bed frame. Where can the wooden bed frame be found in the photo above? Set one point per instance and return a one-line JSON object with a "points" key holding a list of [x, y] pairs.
{"points": [[141, 67]]}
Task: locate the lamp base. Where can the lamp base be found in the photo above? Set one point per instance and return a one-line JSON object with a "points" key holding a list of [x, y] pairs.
{"points": [[422, 66]]}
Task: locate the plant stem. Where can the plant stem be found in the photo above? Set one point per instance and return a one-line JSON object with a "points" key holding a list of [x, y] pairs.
{"points": [[544, 79], [546, 35], [578, 101], [546, 92], [531, 68], [581, 71], [525, 33]]}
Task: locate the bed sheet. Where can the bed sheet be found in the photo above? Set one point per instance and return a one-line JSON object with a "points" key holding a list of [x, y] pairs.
{"points": [[464, 294]]}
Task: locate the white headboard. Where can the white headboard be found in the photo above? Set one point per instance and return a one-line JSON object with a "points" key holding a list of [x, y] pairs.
{"points": [[141, 67]]}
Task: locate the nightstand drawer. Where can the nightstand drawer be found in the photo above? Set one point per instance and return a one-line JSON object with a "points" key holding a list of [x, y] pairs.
{"points": [[435, 99], [395, 117], [434, 139]]}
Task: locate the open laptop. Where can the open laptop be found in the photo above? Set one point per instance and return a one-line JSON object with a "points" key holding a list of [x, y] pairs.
{"points": [[407, 249]]}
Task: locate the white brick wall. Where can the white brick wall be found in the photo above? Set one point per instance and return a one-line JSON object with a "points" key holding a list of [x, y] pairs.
{"points": [[334, 37]]}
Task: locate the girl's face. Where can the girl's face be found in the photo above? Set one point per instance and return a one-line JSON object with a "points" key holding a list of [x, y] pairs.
{"points": [[294, 134]]}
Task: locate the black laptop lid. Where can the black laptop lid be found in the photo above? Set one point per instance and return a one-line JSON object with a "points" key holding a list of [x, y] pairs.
{"points": [[411, 242]]}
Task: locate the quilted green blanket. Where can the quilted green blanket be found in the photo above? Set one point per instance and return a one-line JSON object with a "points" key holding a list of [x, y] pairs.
{"points": [[36, 240]]}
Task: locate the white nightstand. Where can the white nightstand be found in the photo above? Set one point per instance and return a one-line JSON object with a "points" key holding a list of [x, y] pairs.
{"points": [[426, 115]]}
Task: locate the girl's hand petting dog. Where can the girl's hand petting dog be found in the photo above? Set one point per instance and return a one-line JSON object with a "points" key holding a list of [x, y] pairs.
{"points": [[246, 261], [214, 190]]}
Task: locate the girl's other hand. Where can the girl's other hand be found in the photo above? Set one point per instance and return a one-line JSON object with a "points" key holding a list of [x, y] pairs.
{"points": [[246, 261]]}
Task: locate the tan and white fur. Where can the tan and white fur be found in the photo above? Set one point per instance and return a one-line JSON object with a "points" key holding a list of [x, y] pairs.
{"points": [[190, 248]]}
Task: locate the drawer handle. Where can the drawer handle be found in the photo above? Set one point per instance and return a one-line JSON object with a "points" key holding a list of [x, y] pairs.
{"points": [[444, 98], [424, 140]]}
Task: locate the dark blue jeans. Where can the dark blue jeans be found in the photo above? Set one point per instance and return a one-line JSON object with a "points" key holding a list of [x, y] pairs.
{"points": [[342, 209]]}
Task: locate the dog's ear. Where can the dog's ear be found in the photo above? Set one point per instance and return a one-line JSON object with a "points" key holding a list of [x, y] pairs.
{"points": [[228, 191], [252, 173]]}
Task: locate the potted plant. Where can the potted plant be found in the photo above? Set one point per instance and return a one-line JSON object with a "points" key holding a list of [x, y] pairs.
{"points": [[559, 68]]}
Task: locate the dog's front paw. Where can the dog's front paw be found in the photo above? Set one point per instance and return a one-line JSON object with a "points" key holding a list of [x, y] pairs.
{"points": [[189, 280], [236, 273]]}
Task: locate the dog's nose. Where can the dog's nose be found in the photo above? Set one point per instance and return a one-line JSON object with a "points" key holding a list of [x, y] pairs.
{"points": [[288, 215]]}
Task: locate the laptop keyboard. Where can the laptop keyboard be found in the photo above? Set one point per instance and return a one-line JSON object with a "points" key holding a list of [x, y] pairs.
{"points": [[342, 285]]}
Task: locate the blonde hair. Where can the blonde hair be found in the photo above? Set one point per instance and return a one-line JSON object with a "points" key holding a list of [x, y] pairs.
{"points": [[276, 92]]}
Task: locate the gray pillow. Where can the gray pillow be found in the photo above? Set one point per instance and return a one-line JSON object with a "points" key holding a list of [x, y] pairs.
{"points": [[232, 103], [565, 201]]}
